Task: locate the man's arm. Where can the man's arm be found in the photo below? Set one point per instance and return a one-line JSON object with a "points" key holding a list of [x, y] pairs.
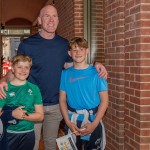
{"points": [[90, 127], [99, 67], [64, 111], [68, 64], [3, 83]]}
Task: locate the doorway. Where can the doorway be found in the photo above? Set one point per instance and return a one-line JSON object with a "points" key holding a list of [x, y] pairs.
{"points": [[10, 40]]}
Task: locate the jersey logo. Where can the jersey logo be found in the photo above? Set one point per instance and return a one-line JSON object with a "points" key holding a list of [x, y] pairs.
{"points": [[75, 79], [30, 91], [12, 94]]}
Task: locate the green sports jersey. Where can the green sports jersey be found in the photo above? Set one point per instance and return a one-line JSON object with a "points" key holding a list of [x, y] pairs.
{"points": [[26, 95]]}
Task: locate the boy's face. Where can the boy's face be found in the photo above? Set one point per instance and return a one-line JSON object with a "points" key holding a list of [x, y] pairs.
{"points": [[21, 70], [78, 54]]}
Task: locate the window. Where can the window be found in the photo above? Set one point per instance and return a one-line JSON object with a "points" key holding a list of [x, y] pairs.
{"points": [[94, 29]]}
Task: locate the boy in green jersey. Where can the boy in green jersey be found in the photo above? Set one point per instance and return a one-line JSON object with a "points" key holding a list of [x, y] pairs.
{"points": [[25, 101]]}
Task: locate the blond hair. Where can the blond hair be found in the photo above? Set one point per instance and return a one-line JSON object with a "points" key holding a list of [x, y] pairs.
{"points": [[21, 58], [78, 41]]}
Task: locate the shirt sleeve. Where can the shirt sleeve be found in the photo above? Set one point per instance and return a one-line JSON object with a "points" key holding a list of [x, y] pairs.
{"points": [[62, 82], [38, 97], [3, 101], [69, 59], [21, 48], [102, 85]]}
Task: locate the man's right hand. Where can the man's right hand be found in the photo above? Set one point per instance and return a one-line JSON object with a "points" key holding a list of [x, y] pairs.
{"points": [[3, 85]]}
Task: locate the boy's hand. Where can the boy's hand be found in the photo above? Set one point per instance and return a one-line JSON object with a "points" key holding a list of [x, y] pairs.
{"points": [[19, 113], [89, 128], [3, 85], [74, 128], [1, 113]]}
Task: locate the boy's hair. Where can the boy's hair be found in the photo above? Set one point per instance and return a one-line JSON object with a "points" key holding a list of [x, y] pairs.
{"points": [[21, 58], [78, 41]]}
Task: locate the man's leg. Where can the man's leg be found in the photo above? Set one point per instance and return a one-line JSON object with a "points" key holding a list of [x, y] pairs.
{"points": [[37, 130], [51, 124]]}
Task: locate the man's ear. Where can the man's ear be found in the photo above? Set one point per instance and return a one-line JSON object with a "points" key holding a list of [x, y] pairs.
{"points": [[39, 20]]}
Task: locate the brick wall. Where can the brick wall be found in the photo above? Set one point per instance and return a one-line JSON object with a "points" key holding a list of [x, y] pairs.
{"points": [[71, 18], [66, 18], [127, 49]]}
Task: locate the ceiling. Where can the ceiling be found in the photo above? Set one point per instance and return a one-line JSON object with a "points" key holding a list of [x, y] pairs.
{"points": [[17, 13]]}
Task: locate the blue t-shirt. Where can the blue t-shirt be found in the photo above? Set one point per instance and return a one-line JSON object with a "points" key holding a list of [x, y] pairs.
{"points": [[82, 87], [49, 57]]}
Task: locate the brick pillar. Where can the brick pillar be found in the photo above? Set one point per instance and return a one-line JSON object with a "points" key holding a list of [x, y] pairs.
{"points": [[137, 75], [114, 52]]}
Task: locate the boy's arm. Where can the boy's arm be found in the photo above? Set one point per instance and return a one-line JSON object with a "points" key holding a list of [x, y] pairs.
{"points": [[102, 107], [64, 111], [99, 115], [38, 114], [3, 83], [0, 111]]}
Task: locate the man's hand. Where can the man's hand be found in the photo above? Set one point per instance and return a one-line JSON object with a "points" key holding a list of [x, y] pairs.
{"points": [[101, 69], [3, 85]]}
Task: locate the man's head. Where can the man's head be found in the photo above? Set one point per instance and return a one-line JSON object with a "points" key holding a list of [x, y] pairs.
{"points": [[78, 49], [48, 19]]}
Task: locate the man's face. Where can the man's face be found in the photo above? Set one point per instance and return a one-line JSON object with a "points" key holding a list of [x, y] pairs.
{"points": [[48, 19]]}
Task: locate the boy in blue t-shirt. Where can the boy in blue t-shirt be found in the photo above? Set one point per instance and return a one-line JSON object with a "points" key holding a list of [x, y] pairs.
{"points": [[83, 98]]}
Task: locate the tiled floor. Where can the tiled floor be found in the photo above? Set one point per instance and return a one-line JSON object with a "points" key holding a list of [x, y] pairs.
{"points": [[61, 133]]}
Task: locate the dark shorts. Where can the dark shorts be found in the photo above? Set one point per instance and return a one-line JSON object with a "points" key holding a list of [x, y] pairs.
{"points": [[21, 141]]}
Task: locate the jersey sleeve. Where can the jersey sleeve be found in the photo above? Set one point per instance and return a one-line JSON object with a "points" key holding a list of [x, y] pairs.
{"points": [[102, 85], [3, 101], [38, 97], [62, 82]]}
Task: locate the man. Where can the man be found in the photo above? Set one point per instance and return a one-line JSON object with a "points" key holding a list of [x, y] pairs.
{"points": [[49, 54]]}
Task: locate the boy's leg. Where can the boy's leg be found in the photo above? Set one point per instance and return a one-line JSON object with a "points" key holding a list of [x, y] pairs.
{"points": [[78, 143], [52, 118], [95, 139], [37, 130], [21, 141]]}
